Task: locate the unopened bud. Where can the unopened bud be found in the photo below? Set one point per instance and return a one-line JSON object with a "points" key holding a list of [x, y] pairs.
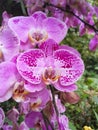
{"points": [[69, 97]]}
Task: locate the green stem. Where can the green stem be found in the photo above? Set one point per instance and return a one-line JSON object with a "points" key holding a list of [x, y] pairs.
{"points": [[23, 7]]}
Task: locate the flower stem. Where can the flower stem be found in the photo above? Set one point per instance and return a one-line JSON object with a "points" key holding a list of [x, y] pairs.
{"points": [[54, 103], [23, 7], [46, 120], [55, 106]]}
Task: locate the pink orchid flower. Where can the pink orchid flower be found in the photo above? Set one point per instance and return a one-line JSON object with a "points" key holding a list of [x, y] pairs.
{"points": [[93, 44], [51, 65], [35, 101], [37, 28]]}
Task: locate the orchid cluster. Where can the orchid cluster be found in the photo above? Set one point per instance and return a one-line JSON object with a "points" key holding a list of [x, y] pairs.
{"points": [[73, 13], [37, 72]]}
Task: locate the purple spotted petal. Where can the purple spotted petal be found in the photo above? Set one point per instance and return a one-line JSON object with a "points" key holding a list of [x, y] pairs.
{"points": [[62, 88], [70, 49], [56, 29], [71, 66], [30, 65], [21, 25], [8, 76]]}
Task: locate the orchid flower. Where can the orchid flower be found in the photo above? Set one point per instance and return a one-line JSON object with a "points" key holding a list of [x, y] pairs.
{"points": [[93, 45], [51, 65], [23, 126], [35, 119], [35, 101], [37, 28]]}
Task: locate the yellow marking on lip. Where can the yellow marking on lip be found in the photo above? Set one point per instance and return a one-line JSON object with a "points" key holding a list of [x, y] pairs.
{"points": [[35, 105], [19, 92], [37, 40], [48, 77], [1, 54]]}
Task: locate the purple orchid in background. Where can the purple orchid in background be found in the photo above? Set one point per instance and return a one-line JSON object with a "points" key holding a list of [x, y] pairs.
{"points": [[13, 115], [34, 5], [23, 126], [47, 118], [6, 126], [34, 120], [93, 45], [64, 125], [2, 117], [37, 28], [51, 65]]}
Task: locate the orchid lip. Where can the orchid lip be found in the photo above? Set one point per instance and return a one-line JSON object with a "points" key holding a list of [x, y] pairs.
{"points": [[36, 36], [19, 92], [50, 75], [1, 54], [35, 105]]}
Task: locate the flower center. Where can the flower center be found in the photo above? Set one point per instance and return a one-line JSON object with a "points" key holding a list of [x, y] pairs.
{"points": [[37, 36], [1, 54], [35, 105], [50, 75], [19, 93]]}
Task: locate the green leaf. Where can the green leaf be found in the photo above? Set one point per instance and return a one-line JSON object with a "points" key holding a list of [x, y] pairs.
{"points": [[96, 115], [96, 68], [71, 126], [95, 99]]}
